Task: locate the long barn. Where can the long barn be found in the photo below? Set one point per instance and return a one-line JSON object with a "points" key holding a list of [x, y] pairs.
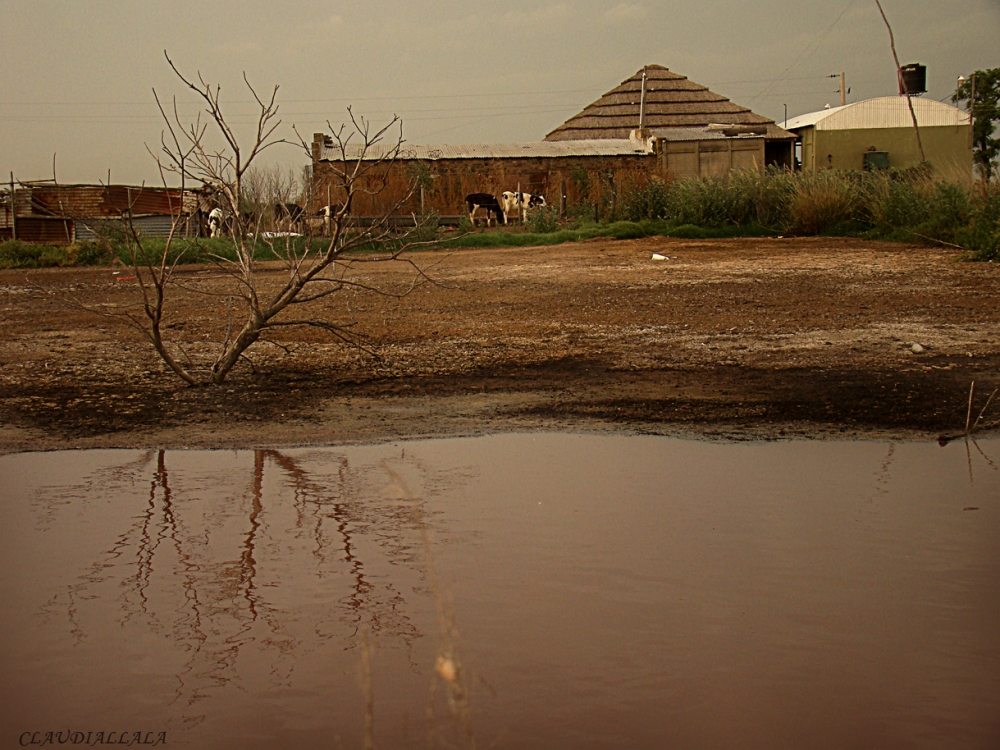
{"points": [[655, 124]]}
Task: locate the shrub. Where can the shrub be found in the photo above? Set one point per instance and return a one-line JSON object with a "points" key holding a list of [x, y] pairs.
{"points": [[892, 200], [651, 201], [16, 254], [427, 231], [83, 253], [820, 200], [982, 235], [544, 220]]}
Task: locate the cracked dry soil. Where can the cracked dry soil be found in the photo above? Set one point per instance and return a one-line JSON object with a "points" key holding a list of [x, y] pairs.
{"points": [[748, 338]]}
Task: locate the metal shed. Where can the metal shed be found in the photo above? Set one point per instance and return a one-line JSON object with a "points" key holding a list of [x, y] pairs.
{"points": [[840, 137], [54, 214]]}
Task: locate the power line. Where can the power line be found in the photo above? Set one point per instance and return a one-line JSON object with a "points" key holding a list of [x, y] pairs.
{"points": [[814, 46], [304, 101]]}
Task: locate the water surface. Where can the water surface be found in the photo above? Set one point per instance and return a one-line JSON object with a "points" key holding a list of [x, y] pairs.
{"points": [[595, 591]]}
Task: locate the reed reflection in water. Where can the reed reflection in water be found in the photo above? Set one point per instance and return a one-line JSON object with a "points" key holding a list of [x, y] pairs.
{"points": [[607, 591]]}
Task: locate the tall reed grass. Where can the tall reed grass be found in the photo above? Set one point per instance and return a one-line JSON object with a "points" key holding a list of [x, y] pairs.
{"points": [[914, 205]]}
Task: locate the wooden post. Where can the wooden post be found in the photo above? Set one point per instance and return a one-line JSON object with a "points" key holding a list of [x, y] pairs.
{"points": [[424, 213], [13, 209], [642, 107], [562, 199], [614, 196], [843, 91], [326, 211]]}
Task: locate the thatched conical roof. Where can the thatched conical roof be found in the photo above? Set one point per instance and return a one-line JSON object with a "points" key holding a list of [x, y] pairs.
{"points": [[672, 101]]}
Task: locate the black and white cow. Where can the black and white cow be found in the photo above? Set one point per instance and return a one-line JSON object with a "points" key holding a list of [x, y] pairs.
{"points": [[519, 202], [320, 222], [289, 215], [475, 201], [216, 222]]}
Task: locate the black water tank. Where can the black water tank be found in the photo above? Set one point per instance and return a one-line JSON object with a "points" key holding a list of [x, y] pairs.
{"points": [[915, 78]]}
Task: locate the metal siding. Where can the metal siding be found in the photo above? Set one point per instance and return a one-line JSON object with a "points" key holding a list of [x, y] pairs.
{"points": [[100, 201], [884, 112], [45, 231], [147, 226]]}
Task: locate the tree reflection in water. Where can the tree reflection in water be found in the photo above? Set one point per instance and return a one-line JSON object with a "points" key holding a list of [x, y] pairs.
{"points": [[297, 558]]}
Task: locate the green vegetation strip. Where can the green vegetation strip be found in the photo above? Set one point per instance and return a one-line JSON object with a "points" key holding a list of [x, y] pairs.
{"points": [[913, 206]]}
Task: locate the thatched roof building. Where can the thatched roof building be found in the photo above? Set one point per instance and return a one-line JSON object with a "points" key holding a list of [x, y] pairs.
{"points": [[671, 101]]}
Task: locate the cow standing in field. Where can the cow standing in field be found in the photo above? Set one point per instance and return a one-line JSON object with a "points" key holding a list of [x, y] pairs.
{"points": [[289, 215], [216, 219], [475, 201], [320, 222], [519, 202]]}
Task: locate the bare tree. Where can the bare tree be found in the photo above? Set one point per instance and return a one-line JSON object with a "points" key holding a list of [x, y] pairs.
{"points": [[313, 270]]}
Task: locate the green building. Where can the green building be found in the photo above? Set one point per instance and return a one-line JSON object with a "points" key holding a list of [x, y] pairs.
{"points": [[878, 133]]}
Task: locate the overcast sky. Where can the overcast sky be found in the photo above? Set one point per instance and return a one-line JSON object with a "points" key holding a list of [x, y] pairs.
{"points": [[76, 76]]}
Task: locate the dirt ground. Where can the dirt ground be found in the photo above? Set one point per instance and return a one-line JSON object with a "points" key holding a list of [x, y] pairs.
{"points": [[758, 338]]}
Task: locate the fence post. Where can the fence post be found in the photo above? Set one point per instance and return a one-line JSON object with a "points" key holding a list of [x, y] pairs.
{"points": [[13, 209], [326, 213]]}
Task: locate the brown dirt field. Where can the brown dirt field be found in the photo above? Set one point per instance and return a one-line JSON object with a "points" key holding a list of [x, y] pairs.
{"points": [[735, 338]]}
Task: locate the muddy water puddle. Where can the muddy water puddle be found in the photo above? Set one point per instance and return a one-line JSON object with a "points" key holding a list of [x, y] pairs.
{"points": [[527, 591]]}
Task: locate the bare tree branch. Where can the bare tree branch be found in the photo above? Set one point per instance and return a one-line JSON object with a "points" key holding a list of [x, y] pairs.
{"points": [[250, 201]]}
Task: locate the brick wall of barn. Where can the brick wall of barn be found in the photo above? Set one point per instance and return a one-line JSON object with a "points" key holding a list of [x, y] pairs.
{"points": [[446, 182]]}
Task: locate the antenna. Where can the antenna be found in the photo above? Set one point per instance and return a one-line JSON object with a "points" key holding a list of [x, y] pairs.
{"points": [[843, 88]]}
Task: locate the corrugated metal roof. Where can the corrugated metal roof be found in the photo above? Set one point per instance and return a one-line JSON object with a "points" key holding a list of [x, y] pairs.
{"points": [[672, 101], [700, 134], [884, 112], [100, 201], [595, 147]]}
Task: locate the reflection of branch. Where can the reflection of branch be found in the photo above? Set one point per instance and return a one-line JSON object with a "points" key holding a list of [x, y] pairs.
{"points": [[177, 569], [249, 564], [364, 600], [985, 457]]}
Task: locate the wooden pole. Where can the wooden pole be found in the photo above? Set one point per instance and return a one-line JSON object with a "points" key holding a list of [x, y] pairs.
{"points": [[843, 91], [13, 209], [642, 106], [902, 83], [562, 200]]}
